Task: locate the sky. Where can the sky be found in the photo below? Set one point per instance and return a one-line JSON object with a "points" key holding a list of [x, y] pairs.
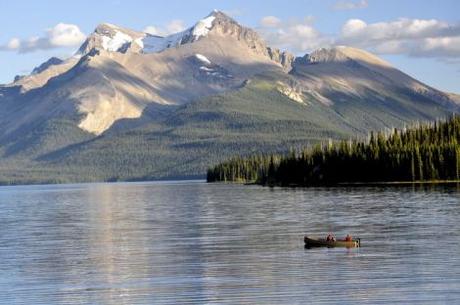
{"points": [[422, 38]]}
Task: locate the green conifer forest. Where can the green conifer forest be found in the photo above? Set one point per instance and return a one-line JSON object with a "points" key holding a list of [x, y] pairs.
{"points": [[423, 153]]}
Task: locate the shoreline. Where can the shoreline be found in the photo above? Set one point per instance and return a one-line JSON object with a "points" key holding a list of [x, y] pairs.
{"points": [[172, 180], [444, 182], [355, 184]]}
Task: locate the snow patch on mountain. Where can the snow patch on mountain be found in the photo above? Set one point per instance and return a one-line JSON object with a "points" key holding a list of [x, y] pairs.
{"points": [[139, 42], [116, 42], [203, 27], [112, 38], [203, 58], [155, 44], [206, 69]]}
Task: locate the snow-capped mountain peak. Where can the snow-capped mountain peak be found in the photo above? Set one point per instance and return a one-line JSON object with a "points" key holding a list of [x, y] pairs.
{"points": [[154, 44], [202, 27], [112, 38]]}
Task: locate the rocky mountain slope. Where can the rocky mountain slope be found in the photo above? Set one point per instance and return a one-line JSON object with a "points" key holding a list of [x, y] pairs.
{"points": [[129, 105], [118, 72]]}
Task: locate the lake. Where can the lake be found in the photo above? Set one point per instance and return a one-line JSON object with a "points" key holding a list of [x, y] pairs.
{"points": [[195, 243]]}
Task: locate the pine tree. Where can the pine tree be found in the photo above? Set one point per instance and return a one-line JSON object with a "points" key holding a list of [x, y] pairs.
{"points": [[422, 153], [457, 163]]}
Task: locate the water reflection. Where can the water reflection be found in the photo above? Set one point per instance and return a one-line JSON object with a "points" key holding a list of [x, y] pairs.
{"points": [[147, 243]]}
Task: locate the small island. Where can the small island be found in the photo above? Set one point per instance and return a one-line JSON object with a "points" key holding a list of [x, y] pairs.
{"points": [[426, 153]]}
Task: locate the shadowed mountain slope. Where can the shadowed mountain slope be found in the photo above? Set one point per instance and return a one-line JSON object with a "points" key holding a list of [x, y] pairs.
{"points": [[129, 105]]}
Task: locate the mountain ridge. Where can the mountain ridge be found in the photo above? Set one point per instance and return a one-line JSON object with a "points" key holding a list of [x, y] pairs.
{"points": [[183, 101]]}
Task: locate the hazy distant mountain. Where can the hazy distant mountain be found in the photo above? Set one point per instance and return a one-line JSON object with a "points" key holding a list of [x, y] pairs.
{"points": [[130, 105]]}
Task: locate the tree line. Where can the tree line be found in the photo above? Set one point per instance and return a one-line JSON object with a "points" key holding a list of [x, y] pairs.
{"points": [[423, 153]]}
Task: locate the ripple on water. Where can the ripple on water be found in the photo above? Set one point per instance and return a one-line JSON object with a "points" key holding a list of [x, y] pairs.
{"points": [[158, 243]]}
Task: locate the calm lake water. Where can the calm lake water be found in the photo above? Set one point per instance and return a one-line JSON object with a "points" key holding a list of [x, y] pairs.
{"points": [[190, 242]]}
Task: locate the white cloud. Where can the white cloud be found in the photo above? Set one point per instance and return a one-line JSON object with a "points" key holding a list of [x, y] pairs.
{"points": [[353, 27], [389, 47], [414, 37], [439, 46], [65, 35], [350, 5], [270, 21], [14, 44], [356, 29], [295, 36], [174, 26], [61, 35], [152, 30]]}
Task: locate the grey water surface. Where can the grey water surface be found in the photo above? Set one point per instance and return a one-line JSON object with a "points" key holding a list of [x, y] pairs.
{"points": [[198, 243]]}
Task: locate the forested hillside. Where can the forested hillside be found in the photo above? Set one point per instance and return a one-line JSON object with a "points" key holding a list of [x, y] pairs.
{"points": [[147, 107], [424, 153]]}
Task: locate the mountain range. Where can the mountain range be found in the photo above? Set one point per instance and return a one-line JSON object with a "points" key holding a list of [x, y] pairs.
{"points": [[129, 105]]}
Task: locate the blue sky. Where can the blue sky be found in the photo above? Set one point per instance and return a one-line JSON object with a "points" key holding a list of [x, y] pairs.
{"points": [[422, 38]]}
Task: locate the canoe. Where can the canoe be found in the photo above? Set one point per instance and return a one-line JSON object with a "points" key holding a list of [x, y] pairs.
{"points": [[322, 242]]}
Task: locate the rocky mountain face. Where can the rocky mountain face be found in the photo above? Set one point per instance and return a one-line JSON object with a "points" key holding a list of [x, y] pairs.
{"points": [[53, 61], [216, 75], [353, 72], [118, 72]]}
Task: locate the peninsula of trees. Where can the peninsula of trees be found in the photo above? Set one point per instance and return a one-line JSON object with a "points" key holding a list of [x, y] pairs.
{"points": [[424, 153]]}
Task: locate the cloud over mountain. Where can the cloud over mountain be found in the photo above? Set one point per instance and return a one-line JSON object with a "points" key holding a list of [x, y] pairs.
{"points": [[270, 21], [412, 37], [61, 35], [294, 35], [174, 26]]}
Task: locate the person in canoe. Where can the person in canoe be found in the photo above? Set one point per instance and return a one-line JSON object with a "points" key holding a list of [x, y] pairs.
{"points": [[330, 237], [348, 238]]}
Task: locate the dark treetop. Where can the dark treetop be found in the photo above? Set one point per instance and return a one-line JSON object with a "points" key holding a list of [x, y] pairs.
{"points": [[423, 153]]}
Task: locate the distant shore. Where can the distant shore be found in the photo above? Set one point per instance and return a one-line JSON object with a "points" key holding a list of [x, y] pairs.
{"points": [[356, 184], [46, 183], [396, 183]]}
